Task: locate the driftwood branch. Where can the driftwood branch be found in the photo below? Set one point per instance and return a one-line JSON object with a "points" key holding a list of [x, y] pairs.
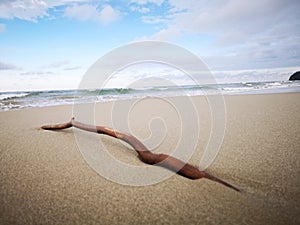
{"points": [[145, 155]]}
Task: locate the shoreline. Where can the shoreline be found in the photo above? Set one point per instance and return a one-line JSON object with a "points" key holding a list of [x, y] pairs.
{"points": [[46, 180], [27, 99], [165, 97]]}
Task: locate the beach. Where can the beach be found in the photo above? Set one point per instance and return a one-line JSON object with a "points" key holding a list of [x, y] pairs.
{"points": [[45, 179]]}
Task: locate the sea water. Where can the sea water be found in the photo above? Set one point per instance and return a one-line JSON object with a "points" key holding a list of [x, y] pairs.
{"points": [[26, 99]]}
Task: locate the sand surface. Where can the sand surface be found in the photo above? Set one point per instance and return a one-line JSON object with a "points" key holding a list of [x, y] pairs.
{"points": [[45, 180]]}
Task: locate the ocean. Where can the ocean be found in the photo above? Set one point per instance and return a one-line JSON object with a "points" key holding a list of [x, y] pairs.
{"points": [[27, 99]]}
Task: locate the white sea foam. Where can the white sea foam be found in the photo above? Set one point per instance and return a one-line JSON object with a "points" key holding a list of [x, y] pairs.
{"points": [[16, 100], [6, 96]]}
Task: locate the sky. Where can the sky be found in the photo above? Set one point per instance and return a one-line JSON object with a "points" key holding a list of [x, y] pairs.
{"points": [[50, 44]]}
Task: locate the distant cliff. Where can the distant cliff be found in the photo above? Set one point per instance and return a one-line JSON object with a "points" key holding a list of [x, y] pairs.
{"points": [[295, 76]]}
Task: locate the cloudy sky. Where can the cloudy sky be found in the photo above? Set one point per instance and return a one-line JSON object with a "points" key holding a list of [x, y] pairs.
{"points": [[49, 44]]}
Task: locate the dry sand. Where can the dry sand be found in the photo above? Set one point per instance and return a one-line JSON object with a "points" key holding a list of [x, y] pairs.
{"points": [[45, 180]]}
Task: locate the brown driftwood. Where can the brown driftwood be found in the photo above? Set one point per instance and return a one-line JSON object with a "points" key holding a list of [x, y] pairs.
{"points": [[145, 155]]}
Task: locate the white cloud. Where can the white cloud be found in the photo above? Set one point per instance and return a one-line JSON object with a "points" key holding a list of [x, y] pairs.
{"points": [[37, 80], [8, 66], [153, 19], [233, 21], [27, 9], [73, 68], [86, 12], [2, 27], [162, 35], [38, 73], [15, 78], [166, 34], [109, 15], [140, 9], [144, 6], [256, 33], [58, 64], [82, 12], [32, 10], [269, 74], [241, 34], [144, 2]]}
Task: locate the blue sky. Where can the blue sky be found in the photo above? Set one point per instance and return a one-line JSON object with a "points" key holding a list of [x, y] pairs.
{"points": [[49, 44]]}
